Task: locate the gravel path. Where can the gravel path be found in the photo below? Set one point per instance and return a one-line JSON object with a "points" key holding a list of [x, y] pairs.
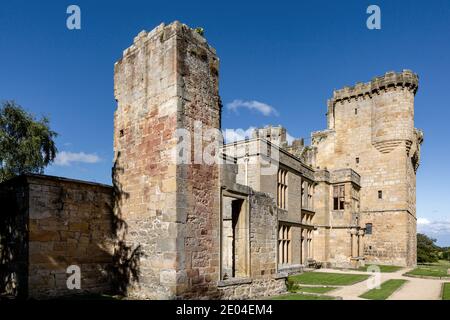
{"points": [[414, 289]]}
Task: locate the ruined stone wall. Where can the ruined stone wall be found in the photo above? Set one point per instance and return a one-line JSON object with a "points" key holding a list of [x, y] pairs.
{"points": [[167, 80], [257, 288], [198, 185], [70, 223], [58, 223], [371, 129], [14, 238], [321, 218], [265, 279], [144, 175], [263, 235]]}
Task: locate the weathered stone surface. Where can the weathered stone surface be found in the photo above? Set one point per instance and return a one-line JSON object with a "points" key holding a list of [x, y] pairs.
{"points": [[76, 231], [230, 230], [258, 288], [167, 80], [371, 130]]}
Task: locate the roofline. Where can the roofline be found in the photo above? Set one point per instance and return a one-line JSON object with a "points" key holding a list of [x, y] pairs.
{"points": [[230, 144], [25, 176]]}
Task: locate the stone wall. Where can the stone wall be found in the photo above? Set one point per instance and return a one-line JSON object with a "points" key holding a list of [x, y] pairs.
{"points": [[144, 177], [265, 279], [62, 223], [14, 238], [334, 242], [198, 187], [167, 80], [371, 130], [251, 289], [263, 236]]}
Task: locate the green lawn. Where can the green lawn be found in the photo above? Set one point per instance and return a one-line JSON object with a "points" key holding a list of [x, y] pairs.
{"points": [[328, 279], [299, 296], [446, 292], [319, 290], [438, 269], [383, 268], [386, 289]]}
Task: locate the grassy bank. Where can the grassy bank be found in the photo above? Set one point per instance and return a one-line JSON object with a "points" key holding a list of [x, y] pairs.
{"points": [[386, 289], [328, 279]]}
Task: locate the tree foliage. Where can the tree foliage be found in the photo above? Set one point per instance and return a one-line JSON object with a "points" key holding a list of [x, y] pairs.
{"points": [[427, 250], [445, 254], [26, 143]]}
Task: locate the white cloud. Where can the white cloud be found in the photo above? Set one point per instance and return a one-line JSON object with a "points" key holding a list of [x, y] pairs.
{"points": [[423, 221], [65, 158], [437, 229], [261, 107], [433, 227]]}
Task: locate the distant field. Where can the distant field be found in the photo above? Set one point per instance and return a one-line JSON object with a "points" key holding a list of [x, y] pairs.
{"points": [[386, 289], [328, 279]]}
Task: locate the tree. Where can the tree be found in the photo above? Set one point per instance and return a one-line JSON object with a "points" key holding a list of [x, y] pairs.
{"points": [[446, 253], [427, 251], [26, 144]]}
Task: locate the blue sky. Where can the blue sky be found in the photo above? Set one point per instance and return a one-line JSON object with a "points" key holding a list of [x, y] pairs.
{"points": [[287, 55]]}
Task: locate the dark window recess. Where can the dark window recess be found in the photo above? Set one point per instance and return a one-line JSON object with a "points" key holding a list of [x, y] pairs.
{"points": [[357, 160], [338, 197], [368, 229], [356, 111], [121, 132], [380, 194]]}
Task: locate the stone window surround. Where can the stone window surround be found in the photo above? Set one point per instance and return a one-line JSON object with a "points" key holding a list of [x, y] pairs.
{"points": [[338, 194], [284, 244], [282, 188], [307, 194]]}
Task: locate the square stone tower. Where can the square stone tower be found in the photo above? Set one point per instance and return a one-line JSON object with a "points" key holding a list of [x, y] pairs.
{"points": [[166, 211], [371, 130]]}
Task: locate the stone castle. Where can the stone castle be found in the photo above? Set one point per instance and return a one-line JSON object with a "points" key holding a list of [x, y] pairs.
{"points": [[231, 228]]}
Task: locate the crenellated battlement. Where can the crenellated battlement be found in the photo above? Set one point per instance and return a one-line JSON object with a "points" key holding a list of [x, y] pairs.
{"points": [[163, 32], [404, 79]]}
